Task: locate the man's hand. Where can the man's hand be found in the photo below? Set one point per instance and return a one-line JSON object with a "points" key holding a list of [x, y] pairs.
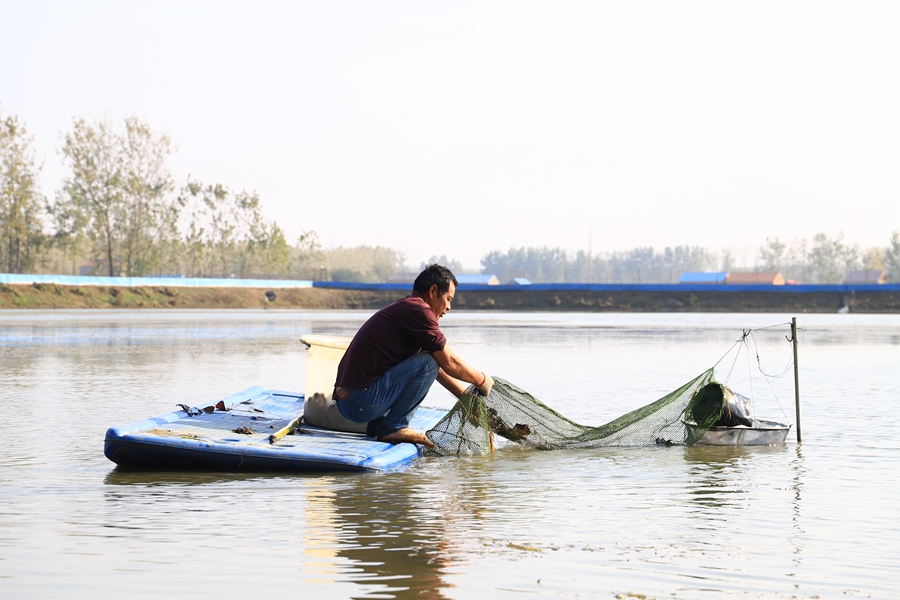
{"points": [[485, 388]]}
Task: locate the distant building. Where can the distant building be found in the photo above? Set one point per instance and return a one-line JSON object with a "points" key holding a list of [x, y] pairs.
{"points": [[754, 279], [862, 277], [520, 281], [478, 279], [701, 277]]}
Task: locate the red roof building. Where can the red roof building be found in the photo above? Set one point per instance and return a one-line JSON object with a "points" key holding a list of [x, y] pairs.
{"points": [[754, 279]]}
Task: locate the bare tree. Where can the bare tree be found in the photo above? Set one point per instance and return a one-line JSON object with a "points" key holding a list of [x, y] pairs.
{"points": [[873, 259], [268, 254], [892, 258], [308, 256], [772, 255], [118, 193], [361, 263], [226, 235], [93, 194], [150, 214], [451, 263], [21, 201], [829, 259], [204, 224]]}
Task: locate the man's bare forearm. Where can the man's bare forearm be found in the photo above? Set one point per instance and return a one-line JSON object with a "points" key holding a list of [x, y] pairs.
{"points": [[454, 366], [453, 385]]}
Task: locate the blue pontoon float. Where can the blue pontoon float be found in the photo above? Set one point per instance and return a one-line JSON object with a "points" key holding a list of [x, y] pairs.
{"points": [[237, 439], [236, 434]]}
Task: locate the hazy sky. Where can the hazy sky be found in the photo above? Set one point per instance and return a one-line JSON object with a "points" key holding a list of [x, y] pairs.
{"points": [[459, 128]]}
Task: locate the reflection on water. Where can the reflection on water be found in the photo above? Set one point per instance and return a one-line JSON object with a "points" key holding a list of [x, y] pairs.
{"points": [[788, 521], [391, 536]]}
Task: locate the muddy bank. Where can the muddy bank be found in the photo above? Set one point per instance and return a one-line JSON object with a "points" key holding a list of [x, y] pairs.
{"points": [[57, 296], [49, 295]]}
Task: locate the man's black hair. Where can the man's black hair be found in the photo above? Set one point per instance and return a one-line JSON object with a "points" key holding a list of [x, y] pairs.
{"points": [[434, 275]]}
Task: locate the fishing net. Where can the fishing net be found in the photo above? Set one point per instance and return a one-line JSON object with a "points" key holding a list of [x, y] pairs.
{"points": [[680, 417]]}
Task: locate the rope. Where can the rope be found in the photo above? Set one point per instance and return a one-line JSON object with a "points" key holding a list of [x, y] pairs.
{"points": [[749, 341], [726, 354], [758, 362], [734, 362], [768, 376]]}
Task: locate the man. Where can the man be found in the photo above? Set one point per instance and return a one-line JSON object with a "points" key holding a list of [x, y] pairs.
{"points": [[395, 357]]}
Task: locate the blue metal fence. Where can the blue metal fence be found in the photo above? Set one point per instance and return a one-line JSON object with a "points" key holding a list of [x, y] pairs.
{"points": [[10, 278], [672, 288]]}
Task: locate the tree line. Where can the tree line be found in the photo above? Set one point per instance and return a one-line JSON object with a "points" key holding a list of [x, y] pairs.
{"points": [[639, 265], [825, 259], [119, 212]]}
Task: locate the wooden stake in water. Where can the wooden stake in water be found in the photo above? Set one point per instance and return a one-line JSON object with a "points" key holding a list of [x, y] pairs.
{"points": [[796, 377]]}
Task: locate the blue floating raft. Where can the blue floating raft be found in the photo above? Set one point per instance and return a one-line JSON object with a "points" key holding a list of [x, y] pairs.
{"points": [[208, 441]]}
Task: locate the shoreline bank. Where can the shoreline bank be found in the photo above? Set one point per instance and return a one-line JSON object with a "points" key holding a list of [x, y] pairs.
{"points": [[49, 296]]}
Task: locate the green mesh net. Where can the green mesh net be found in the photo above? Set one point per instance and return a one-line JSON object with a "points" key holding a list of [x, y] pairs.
{"points": [[680, 417]]}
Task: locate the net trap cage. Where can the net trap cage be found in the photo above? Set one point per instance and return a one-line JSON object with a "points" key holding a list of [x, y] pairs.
{"points": [[703, 411]]}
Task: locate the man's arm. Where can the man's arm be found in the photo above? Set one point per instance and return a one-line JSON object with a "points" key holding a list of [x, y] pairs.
{"points": [[455, 370], [454, 386]]}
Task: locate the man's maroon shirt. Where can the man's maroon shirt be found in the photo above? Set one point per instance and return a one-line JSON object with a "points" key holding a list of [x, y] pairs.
{"points": [[389, 337]]}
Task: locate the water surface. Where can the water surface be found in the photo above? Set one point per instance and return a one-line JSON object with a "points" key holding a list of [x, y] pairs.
{"points": [[815, 519]]}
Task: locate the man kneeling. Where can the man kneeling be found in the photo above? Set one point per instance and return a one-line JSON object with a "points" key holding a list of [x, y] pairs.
{"points": [[395, 357]]}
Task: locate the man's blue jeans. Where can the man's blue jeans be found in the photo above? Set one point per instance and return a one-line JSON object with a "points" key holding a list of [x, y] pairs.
{"points": [[388, 404]]}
